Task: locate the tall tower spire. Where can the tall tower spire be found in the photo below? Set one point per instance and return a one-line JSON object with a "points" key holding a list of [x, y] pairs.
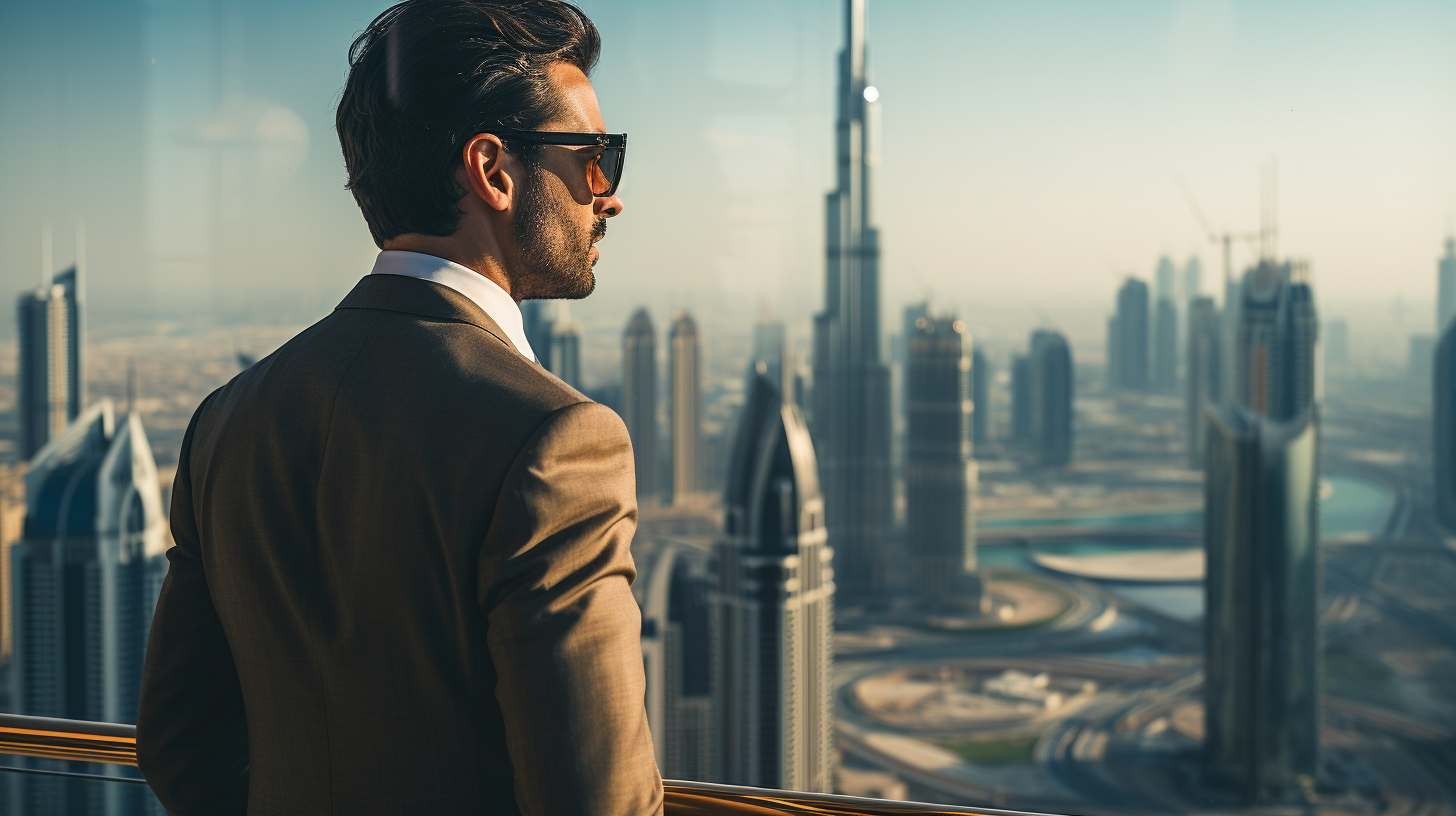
{"points": [[851, 418]]}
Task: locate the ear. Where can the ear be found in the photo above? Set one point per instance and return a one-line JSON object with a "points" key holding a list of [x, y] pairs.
{"points": [[485, 171]]}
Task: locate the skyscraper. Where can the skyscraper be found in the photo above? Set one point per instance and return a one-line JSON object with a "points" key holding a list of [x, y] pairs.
{"points": [[1261, 621], [674, 591], [1446, 287], [50, 377], [566, 352], [1205, 371], [1132, 335], [686, 406], [981, 376], [85, 579], [536, 321], [1050, 369], [1192, 279], [639, 397], [940, 473], [770, 347], [1021, 398], [1444, 416], [1275, 367], [1166, 279], [1165, 347], [1114, 353], [851, 383], [775, 605]]}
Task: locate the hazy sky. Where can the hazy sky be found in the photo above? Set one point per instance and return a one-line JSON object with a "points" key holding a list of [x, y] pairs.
{"points": [[1031, 150]]}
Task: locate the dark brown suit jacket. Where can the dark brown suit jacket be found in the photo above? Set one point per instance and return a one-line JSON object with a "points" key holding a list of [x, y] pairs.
{"points": [[401, 582]]}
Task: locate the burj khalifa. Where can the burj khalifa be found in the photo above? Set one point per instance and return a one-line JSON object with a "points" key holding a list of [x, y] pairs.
{"points": [[851, 383]]}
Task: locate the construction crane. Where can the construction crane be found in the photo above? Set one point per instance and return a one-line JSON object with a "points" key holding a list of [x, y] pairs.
{"points": [[1225, 238]]}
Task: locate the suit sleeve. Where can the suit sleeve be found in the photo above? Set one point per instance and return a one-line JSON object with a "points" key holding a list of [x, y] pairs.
{"points": [[192, 739], [563, 629]]}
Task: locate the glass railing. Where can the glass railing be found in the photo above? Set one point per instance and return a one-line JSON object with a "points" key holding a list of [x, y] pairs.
{"points": [[93, 745]]}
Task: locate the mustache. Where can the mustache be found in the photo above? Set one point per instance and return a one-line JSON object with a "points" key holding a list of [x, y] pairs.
{"points": [[599, 229]]}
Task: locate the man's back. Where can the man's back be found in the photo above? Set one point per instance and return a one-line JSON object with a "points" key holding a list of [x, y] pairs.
{"points": [[416, 545]]}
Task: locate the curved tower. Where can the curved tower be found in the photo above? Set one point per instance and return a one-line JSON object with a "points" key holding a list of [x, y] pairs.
{"points": [[775, 604], [851, 406]]}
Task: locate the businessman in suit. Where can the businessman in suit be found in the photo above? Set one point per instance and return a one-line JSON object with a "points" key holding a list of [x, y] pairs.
{"points": [[401, 576]]}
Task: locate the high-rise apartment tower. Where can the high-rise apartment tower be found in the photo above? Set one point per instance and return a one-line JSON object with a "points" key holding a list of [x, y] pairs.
{"points": [[1261, 619], [1276, 367], [1446, 287], [674, 591], [851, 383], [684, 361], [940, 473], [1444, 416], [1131, 336], [51, 380], [1050, 368], [639, 397], [1205, 371]]}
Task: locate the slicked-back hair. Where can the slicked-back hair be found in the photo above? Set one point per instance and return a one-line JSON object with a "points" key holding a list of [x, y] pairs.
{"points": [[428, 75]]}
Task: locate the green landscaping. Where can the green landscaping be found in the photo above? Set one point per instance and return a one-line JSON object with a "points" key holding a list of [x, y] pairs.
{"points": [[994, 752]]}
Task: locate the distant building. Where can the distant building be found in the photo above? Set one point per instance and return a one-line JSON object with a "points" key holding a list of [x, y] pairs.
{"points": [[1051, 397], [1421, 356], [566, 352], [1166, 279], [686, 405], [1020, 398], [981, 377], [1205, 371], [1192, 279], [1336, 344], [1165, 348], [85, 579], [50, 380], [1446, 287], [536, 321], [1276, 371], [775, 602], [674, 591], [1261, 621], [1132, 336], [1444, 417], [940, 473], [770, 347], [1114, 354], [639, 397]]}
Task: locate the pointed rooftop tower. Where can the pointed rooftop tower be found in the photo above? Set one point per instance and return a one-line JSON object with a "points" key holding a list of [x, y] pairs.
{"points": [[851, 405]]}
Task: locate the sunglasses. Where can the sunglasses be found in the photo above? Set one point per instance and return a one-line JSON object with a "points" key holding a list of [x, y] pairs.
{"points": [[605, 169]]}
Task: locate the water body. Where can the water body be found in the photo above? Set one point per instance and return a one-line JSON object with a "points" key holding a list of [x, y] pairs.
{"points": [[1349, 507]]}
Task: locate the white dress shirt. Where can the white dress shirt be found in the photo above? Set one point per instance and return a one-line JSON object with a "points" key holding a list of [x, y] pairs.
{"points": [[482, 291]]}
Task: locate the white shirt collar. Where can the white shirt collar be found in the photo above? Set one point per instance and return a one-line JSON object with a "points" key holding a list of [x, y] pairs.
{"points": [[482, 291]]}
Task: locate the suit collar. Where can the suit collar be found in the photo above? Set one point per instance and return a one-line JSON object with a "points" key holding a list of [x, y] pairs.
{"points": [[416, 296]]}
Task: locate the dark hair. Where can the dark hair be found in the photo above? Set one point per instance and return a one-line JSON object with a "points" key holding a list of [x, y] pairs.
{"points": [[425, 77]]}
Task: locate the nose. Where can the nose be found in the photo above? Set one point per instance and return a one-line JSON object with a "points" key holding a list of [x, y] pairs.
{"points": [[608, 206]]}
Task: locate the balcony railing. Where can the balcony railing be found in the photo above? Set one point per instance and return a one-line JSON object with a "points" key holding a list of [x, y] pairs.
{"points": [[113, 744]]}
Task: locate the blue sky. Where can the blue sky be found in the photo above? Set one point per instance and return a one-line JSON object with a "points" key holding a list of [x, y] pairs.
{"points": [[1031, 149]]}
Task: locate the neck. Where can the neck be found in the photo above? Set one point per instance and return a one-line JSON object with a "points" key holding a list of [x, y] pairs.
{"points": [[474, 255]]}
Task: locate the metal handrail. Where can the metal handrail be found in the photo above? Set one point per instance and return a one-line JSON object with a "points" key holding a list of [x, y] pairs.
{"points": [[115, 744]]}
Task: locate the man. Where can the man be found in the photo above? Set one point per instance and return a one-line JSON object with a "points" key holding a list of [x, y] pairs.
{"points": [[401, 579]]}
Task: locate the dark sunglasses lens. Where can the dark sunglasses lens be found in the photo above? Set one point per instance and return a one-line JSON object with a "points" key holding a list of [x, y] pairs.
{"points": [[610, 166]]}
